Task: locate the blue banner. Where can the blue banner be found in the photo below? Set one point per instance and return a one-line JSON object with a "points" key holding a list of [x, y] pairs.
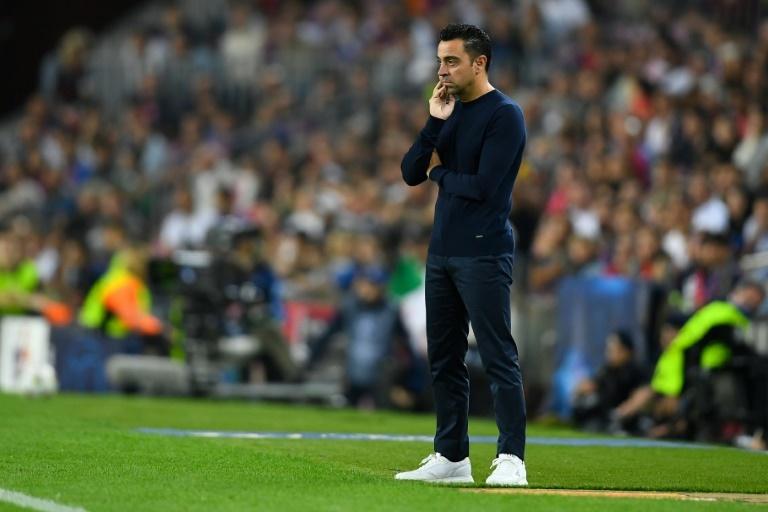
{"points": [[588, 310]]}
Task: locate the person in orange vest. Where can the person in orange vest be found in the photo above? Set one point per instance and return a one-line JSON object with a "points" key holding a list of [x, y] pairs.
{"points": [[118, 305]]}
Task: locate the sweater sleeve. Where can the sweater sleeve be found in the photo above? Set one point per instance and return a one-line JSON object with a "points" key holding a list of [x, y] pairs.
{"points": [[416, 160], [504, 139]]}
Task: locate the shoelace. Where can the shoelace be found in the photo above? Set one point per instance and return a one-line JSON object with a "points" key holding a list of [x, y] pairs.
{"points": [[429, 458], [499, 460]]}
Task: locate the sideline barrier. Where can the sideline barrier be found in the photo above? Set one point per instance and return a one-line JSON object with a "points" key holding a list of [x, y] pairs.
{"points": [[25, 355]]}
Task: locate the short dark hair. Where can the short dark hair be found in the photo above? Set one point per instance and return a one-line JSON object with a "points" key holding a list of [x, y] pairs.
{"points": [[710, 237], [625, 339], [476, 40]]}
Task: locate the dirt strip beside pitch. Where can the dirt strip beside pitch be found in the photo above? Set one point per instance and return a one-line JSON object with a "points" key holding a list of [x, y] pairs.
{"points": [[650, 495]]}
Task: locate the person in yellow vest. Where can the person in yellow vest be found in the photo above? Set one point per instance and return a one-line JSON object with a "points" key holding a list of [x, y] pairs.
{"points": [[708, 334], [704, 341], [118, 305], [19, 283], [18, 278]]}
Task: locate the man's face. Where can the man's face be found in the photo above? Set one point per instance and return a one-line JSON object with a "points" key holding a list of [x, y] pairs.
{"points": [[748, 298], [455, 66], [761, 211], [367, 291], [251, 249], [184, 201], [135, 261]]}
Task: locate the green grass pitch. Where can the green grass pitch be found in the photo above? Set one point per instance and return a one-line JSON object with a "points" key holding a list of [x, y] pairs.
{"points": [[84, 451]]}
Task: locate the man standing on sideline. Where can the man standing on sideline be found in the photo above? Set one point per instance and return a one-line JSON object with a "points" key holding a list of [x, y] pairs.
{"points": [[471, 148]]}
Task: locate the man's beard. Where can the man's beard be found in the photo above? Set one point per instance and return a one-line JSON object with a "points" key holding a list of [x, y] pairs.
{"points": [[454, 89]]}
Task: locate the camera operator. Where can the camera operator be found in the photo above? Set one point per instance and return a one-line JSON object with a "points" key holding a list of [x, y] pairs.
{"points": [[252, 303]]}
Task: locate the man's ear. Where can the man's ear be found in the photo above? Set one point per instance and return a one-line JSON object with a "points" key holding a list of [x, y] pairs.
{"points": [[479, 64]]}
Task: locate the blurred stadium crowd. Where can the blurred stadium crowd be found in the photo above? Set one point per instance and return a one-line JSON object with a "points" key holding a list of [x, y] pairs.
{"points": [[647, 149]]}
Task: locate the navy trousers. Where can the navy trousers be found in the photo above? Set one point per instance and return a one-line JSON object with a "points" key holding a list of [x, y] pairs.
{"points": [[460, 290]]}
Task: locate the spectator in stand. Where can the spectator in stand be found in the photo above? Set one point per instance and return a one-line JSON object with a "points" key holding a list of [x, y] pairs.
{"points": [[184, 227], [242, 45], [582, 257], [710, 214], [737, 200], [584, 219], [621, 261], [647, 249], [64, 77], [751, 155], [756, 227], [549, 255], [712, 275]]}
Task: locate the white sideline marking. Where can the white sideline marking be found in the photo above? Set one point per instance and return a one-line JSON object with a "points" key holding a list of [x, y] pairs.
{"points": [[26, 501], [622, 442]]}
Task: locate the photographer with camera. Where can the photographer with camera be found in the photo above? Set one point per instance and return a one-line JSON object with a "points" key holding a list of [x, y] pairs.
{"points": [[248, 298]]}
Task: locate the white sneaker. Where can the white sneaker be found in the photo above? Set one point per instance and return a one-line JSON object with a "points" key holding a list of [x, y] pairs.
{"points": [[508, 470], [437, 469]]}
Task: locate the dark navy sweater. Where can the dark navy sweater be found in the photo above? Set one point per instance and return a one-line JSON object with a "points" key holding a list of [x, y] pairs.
{"points": [[480, 146]]}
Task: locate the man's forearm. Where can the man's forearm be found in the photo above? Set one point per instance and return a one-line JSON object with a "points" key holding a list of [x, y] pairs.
{"points": [[416, 161], [504, 140]]}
